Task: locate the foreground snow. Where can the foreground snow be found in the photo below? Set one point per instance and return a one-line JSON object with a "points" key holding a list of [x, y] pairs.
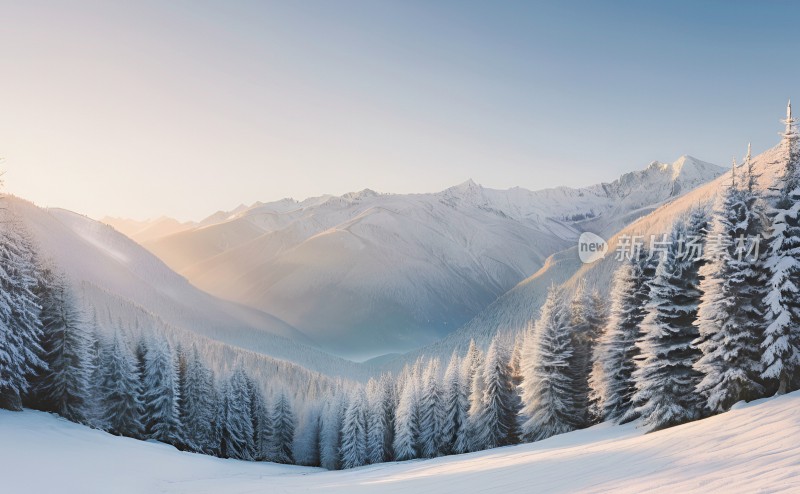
{"points": [[755, 447]]}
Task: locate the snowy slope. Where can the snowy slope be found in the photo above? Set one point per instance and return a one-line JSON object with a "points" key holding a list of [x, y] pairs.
{"points": [[752, 448], [514, 309], [368, 273], [124, 285], [148, 230]]}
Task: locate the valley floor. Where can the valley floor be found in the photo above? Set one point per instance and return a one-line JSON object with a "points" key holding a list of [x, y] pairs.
{"points": [[753, 448]]}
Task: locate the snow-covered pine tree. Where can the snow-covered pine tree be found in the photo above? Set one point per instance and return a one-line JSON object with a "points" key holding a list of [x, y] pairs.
{"points": [[379, 419], [475, 361], [456, 408], [665, 378], [198, 398], [120, 390], [353, 451], [282, 424], [237, 424], [548, 395], [20, 329], [781, 344], [515, 366], [498, 422], [611, 380], [68, 344], [598, 319], [307, 436], [406, 424], [330, 432], [430, 411], [262, 443], [161, 394], [586, 326], [732, 285]]}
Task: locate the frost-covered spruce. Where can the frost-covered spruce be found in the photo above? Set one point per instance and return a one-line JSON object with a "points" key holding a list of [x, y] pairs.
{"points": [[498, 423], [120, 389], [20, 330], [68, 344], [456, 408], [330, 432], [306, 439], [282, 423], [199, 401], [547, 389], [161, 394], [781, 344], [430, 411], [474, 369], [587, 321], [611, 380], [406, 422], [380, 423], [729, 321], [262, 445], [354, 432], [236, 423], [665, 377]]}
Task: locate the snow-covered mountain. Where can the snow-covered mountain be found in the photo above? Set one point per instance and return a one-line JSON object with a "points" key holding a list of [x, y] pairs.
{"points": [[148, 230], [752, 448], [367, 273], [124, 286], [516, 308]]}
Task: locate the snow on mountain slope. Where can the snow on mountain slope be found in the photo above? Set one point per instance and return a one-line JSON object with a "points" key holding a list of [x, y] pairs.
{"points": [[118, 279], [752, 448], [366, 273], [149, 230], [512, 311]]}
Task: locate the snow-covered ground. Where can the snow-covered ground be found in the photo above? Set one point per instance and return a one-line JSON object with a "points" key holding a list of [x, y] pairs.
{"points": [[753, 448]]}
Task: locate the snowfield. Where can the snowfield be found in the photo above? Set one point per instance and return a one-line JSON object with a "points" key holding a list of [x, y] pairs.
{"points": [[753, 448]]}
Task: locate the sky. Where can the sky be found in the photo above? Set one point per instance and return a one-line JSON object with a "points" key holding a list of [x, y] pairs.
{"points": [[182, 108]]}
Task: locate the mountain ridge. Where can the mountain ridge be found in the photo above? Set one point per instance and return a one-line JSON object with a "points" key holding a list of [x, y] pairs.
{"points": [[369, 273]]}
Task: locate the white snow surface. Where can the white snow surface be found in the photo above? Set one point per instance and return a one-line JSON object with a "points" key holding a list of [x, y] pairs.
{"points": [[752, 448], [368, 273]]}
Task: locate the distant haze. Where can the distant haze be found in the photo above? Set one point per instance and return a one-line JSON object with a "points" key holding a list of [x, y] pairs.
{"points": [[181, 108]]}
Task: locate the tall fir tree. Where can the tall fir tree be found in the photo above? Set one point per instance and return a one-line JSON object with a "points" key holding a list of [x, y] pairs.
{"points": [[161, 394], [456, 408], [586, 325], [431, 411], [781, 342], [198, 398], [611, 380], [121, 389], [406, 425], [330, 432], [379, 419], [498, 422], [732, 285], [236, 422], [547, 390], [283, 424], [68, 345], [475, 362], [20, 329], [354, 432], [665, 378]]}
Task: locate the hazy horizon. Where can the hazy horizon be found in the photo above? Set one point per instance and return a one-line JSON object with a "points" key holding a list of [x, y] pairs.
{"points": [[186, 108]]}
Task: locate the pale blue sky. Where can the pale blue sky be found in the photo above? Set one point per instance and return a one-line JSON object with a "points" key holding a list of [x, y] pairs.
{"points": [[182, 108]]}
